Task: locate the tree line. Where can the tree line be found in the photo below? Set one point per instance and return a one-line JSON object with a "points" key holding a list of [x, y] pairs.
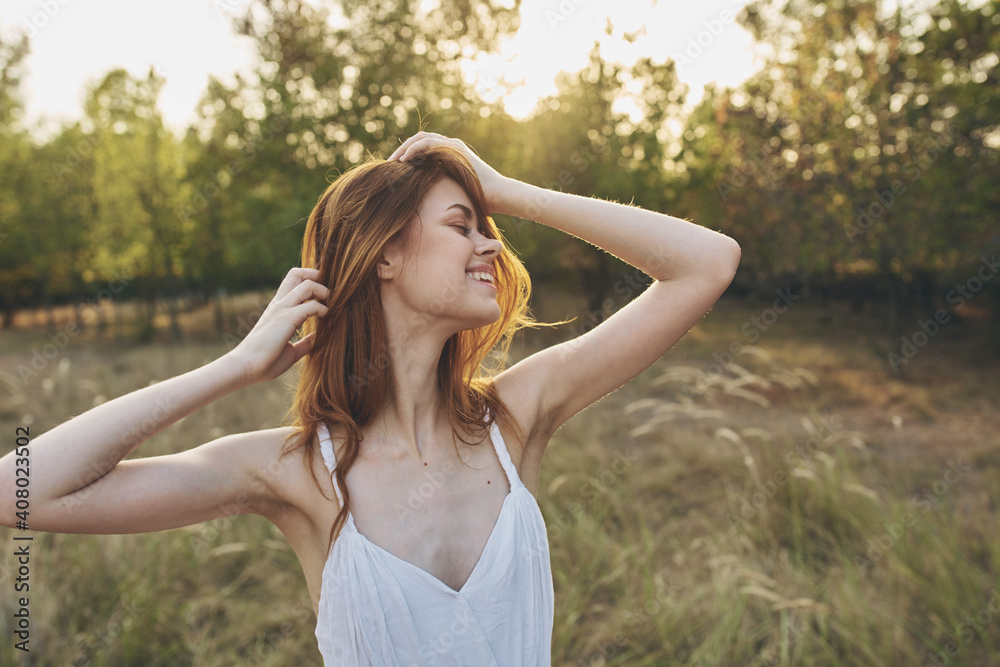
{"points": [[859, 163]]}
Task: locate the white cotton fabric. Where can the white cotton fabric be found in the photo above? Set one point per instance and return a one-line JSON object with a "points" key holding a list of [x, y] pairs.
{"points": [[377, 609]]}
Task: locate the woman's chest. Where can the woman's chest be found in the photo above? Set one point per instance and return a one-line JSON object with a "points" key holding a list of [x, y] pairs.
{"points": [[437, 516]]}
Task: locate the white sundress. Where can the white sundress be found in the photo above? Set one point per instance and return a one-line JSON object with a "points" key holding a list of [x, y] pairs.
{"points": [[377, 609]]}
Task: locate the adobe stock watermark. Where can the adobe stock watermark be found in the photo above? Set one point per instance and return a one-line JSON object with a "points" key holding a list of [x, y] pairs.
{"points": [[99, 642], [867, 216], [973, 625], [752, 329], [581, 159], [487, 86], [704, 39], [47, 11], [921, 503], [208, 532], [229, 9], [635, 619], [927, 329], [627, 287], [373, 370], [562, 13], [769, 656], [376, 368], [128, 440], [84, 148], [223, 178], [823, 434], [419, 495], [974, 284], [443, 644], [246, 324], [262, 652], [591, 490]]}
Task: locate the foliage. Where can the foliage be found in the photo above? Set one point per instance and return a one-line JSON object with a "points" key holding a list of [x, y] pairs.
{"points": [[858, 163], [858, 155]]}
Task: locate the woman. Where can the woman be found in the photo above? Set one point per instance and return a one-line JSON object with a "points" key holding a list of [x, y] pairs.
{"points": [[416, 523]]}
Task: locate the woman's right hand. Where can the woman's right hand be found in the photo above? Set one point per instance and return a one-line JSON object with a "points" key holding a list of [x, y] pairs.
{"points": [[267, 351], [491, 180]]}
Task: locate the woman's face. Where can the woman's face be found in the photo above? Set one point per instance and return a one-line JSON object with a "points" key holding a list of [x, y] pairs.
{"points": [[432, 275]]}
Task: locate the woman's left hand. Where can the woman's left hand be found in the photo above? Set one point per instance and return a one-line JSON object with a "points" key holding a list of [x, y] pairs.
{"points": [[493, 183]]}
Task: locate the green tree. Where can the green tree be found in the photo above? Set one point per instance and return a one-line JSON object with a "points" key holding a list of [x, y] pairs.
{"points": [[136, 230], [845, 160], [578, 141], [220, 160], [331, 87], [19, 276]]}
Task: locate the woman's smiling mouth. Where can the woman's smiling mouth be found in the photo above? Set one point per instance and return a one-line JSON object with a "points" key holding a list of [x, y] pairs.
{"points": [[482, 277]]}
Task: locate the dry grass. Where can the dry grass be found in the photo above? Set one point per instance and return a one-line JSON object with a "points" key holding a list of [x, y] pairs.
{"points": [[794, 507]]}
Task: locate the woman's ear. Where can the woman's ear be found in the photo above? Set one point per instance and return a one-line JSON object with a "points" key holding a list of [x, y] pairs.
{"points": [[386, 268], [390, 262]]}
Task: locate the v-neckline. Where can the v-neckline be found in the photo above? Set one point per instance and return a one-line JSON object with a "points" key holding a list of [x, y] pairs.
{"points": [[512, 487], [438, 582]]}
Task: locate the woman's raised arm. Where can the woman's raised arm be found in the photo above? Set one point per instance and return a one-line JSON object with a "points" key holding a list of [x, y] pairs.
{"points": [[78, 483], [691, 267]]}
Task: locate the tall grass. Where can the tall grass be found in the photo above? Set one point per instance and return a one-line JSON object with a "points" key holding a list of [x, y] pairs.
{"points": [[735, 517], [732, 541]]}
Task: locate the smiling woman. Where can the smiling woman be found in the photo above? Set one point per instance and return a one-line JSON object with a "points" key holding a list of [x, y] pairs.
{"points": [[415, 456]]}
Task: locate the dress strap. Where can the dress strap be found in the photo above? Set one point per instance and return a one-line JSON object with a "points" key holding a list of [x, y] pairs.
{"points": [[326, 449], [505, 461]]}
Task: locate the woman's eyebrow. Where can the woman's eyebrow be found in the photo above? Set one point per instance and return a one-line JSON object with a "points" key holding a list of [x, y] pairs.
{"points": [[466, 211]]}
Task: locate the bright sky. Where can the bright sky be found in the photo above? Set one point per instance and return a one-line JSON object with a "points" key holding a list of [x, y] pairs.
{"points": [[75, 42]]}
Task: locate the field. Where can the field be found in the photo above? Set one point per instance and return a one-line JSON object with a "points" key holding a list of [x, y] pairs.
{"points": [[803, 505]]}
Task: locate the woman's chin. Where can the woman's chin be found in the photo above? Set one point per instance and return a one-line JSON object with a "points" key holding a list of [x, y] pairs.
{"points": [[487, 318]]}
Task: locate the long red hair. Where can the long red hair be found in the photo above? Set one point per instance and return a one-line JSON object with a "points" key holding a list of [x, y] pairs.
{"points": [[348, 376]]}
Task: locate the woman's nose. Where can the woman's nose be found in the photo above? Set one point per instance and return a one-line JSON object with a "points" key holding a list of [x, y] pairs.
{"points": [[490, 247]]}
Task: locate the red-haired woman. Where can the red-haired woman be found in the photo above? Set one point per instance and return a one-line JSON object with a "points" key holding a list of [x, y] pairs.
{"points": [[406, 484]]}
